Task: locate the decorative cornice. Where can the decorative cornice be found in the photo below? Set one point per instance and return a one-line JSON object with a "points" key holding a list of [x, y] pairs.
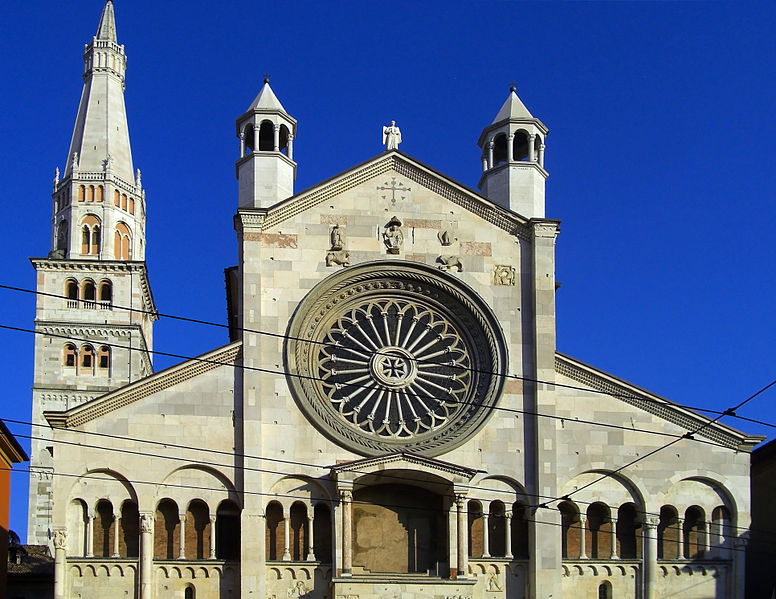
{"points": [[415, 171], [378, 463], [653, 404], [110, 402]]}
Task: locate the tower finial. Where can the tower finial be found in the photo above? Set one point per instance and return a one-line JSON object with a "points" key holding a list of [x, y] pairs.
{"points": [[266, 77], [512, 87]]}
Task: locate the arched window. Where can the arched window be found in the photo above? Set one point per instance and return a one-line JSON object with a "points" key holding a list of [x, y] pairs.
{"points": [[122, 248], [228, 531], [71, 293], [298, 539], [476, 523], [103, 357], [322, 533], [598, 531], [284, 139], [131, 205], [519, 523], [605, 590], [520, 146], [88, 293], [130, 530], [248, 140], [499, 149], [627, 547], [87, 360], [104, 529], [62, 236], [69, 355], [77, 517], [90, 235], [123, 201], [197, 530], [106, 294], [116, 198], [266, 137], [694, 532], [570, 530], [722, 531], [275, 524], [190, 592], [81, 193], [90, 193], [497, 529], [668, 533], [100, 193], [166, 530]]}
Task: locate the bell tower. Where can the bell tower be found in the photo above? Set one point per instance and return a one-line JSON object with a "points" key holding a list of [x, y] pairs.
{"points": [[94, 312], [513, 173], [266, 169]]}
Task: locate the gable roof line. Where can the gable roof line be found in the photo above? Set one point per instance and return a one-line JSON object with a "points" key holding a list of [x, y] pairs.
{"points": [[652, 403], [140, 389], [409, 167]]}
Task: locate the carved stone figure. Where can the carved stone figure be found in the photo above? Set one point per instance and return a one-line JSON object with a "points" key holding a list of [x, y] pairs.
{"points": [[448, 262], [493, 585], [60, 539], [444, 237], [391, 136], [392, 236], [341, 257], [337, 238], [503, 274], [298, 590]]}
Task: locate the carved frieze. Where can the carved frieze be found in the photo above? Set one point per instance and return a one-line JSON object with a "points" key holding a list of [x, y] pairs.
{"points": [[504, 274]]}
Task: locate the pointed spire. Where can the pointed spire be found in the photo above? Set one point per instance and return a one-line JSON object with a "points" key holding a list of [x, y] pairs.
{"points": [[266, 100], [513, 108], [106, 30]]}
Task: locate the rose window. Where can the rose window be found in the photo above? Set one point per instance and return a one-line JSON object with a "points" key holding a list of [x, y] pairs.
{"points": [[395, 357]]}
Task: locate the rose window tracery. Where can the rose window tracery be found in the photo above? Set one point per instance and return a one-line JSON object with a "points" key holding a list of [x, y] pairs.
{"points": [[395, 357]]}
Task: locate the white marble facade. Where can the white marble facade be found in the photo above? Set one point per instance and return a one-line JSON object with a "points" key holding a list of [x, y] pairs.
{"points": [[387, 437]]}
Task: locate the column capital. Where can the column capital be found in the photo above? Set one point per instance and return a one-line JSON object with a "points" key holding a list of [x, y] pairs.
{"points": [[276, 126], [491, 144], [213, 518], [532, 136], [651, 522], [146, 523], [582, 517], [60, 538], [346, 494]]}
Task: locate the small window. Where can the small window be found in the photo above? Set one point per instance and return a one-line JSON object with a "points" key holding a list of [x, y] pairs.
{"points": [[123, 201], [71, 290], [103, 357], [100, 193], [88, 291], [189, 594], [117, 198], [90, 194], [81, 193], [87, 359], [605, 590], [69, 356], [106, 292], [131, 205]]}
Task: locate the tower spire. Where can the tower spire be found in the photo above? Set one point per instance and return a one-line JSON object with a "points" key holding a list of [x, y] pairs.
{"points": [[106, 30]]}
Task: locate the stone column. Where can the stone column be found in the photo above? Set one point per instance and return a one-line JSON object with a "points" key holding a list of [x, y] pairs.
{"points": [[582, 550], [286, 538], [649, 556], [709, 546], [511, 147], [116, 522], [508, 540], [212, 537], [182, 536], [683, 541], [146, 555], [613, 554], [90, 535], [484, 164], [60, 563], [256, 129], [739, 570], [242, 144], [491, 145], [542, 147], [310, 535], [485, 534], [276, 142], [531, 148], [347, 532], [463, 550], [290, 146]]}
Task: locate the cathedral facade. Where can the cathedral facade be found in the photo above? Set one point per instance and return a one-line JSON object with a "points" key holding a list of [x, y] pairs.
{"points": [[391, 417]]}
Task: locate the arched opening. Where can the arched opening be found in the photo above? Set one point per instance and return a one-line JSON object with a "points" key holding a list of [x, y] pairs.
{"points": [[87, 360], [123, 201], [117, 198], [100, 193], [499, 149], [88, 292], [398, 529], [197, 530], [605, 590], [519, 525], [668, 533], [90, 193], [497, 529], [190, 592], [274, 534], [106, 293], [476, 524], [122, 249], [298, 539], [90, 235], [104, 529], [81, 193], [570, 530], [248, 140], [130, 530], [266, 137], [322, 533], [77, 517], [520, 146], [103, 357], [69, 355], [71, 293], [62, 236], [722, 531], [598, 531], [284, 139], [694, 532], [131, 205], [228, 531], [537, 149], [627, 547], [166, 530]]}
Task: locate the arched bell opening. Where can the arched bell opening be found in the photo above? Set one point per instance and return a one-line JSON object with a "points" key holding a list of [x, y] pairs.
{"points": [[266, 137], [520, 146], [499, 149]]}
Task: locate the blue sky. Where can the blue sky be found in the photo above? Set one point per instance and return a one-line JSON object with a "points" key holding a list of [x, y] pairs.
{"points": [[661, 156]]}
